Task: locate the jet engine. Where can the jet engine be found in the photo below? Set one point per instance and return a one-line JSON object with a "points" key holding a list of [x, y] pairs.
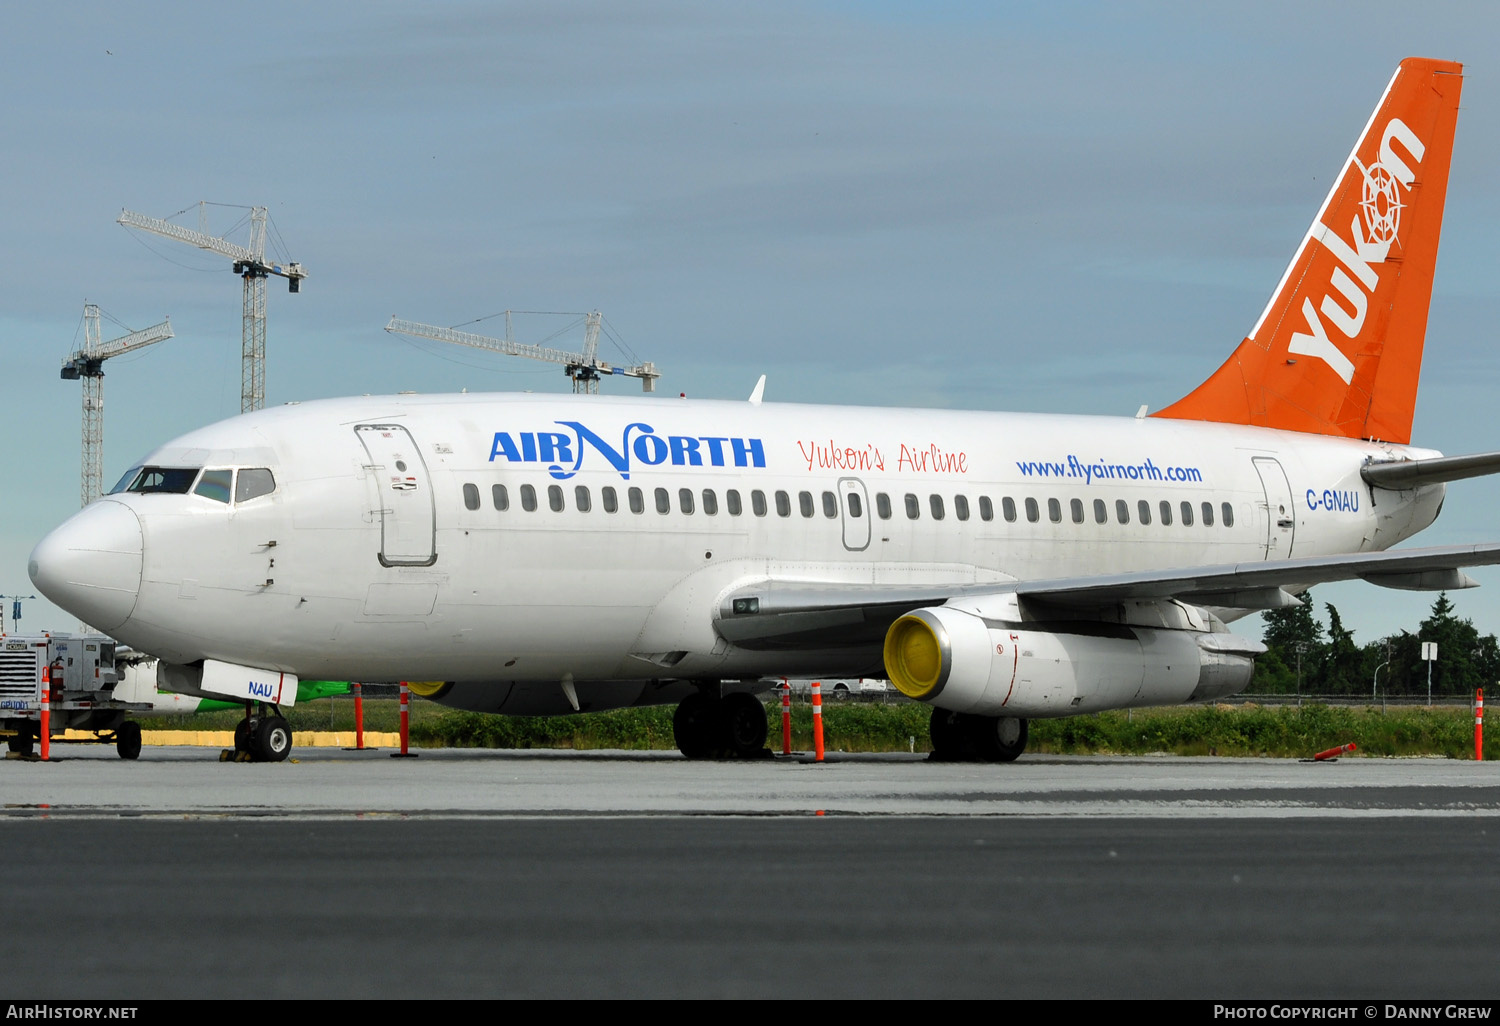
{"points": [[963, 661]]}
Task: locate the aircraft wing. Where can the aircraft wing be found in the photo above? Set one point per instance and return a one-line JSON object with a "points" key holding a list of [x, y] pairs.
{"points": [[796, 614]]}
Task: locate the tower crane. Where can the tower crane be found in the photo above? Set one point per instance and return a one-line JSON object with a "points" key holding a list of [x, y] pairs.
{"points": [[583, 368], [250, 264], [88, 363]]}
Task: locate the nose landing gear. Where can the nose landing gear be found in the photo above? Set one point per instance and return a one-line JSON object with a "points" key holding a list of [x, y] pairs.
{"points": [[262, 736]]}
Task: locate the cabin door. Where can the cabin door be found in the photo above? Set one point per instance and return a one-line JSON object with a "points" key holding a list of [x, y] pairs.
{"points": [[402, 493], [1281, 514]]}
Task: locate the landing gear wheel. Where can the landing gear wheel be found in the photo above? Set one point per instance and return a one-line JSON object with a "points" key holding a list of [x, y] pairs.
{"points": [[947, 735], [697, 726], [997, 738], [242, 732], [128, 739], [272, 739], [22, 743], [744, 722]]}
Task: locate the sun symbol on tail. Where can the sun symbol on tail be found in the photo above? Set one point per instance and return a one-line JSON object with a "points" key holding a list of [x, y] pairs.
{"points": [[1381, 204]]}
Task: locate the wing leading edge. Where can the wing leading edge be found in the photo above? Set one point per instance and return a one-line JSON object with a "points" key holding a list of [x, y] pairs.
{"points": [[796, 614]]}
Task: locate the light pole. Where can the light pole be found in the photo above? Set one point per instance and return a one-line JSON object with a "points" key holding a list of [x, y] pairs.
{"points": [[15, 613]]}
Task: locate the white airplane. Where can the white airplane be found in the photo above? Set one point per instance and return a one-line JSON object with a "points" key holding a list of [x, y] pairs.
{"points": [[535, 554]]}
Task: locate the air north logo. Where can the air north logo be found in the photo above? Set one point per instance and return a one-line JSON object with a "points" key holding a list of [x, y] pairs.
{"points": [[1372, 232], [564, 451]]}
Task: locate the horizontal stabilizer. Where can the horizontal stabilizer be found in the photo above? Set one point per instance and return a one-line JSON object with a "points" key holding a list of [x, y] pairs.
{"points": [[1414, 473]]}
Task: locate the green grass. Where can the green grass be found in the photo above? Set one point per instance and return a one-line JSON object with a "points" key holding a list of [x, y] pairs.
{"points": [[1224, 730]]}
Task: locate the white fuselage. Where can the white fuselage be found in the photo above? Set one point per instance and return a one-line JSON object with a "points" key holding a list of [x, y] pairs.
{"points": [[381, 553]]}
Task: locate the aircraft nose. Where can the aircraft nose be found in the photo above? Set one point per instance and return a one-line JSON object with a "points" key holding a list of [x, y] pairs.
{"points": [[91, 564]]}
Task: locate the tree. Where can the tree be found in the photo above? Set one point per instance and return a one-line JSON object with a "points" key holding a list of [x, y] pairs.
{"points": [[1294, 637], [1341, 662]]}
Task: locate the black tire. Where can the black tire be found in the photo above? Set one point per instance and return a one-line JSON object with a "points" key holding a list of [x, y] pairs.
{"points": [[128, 740], [745, 725], [997, 738], [272, 739], [947, 734], [697, 726], [841, 694], [23, 743], [242, 732]]}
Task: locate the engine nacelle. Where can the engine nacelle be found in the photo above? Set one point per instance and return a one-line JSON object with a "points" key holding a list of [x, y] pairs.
{"points": [[961, 661]]}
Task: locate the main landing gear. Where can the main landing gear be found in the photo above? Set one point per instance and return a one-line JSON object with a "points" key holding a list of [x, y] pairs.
{"points": [[708, 727], [968, 737], [263, 735]]}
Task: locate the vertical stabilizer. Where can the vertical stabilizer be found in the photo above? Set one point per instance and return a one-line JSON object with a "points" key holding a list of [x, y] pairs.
{"points": [[1338, 349]]}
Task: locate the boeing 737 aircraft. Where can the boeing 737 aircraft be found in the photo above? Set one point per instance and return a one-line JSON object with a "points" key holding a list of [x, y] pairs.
{"points": [[536, 554]]}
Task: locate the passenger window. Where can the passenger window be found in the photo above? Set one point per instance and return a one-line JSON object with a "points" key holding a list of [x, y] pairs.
{"points": [[1008, 509], [637, 500], [710, 503], [1076, 505], [805, 502], [1054, 511], [758, 502], [882, 505], [214, 484], [1208, 514], [1187, 514], [685, 500], [986, 508], [500, 497], [581, 500], [936, 502], [609, 500], [663, 501], [1166, 513], [856, 508], [1122, 511], [1228, 512], [830, 505], [252, 484], [1101, 512], [471, 496], [913, 507], [554, 498], [1143, 510], [732, 502], [783, 504], [1033, 511], [528, 498], [961, 507]]}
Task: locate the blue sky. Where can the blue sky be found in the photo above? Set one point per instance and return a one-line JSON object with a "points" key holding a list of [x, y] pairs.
{"points": [[1062, 207]]}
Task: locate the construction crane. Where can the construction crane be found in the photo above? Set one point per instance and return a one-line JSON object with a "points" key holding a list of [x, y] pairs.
{"points": [[88, 364], [583, 368], [250, 264]]}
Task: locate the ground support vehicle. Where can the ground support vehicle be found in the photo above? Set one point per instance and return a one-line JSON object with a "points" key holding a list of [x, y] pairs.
{"points": [[76, 673]]}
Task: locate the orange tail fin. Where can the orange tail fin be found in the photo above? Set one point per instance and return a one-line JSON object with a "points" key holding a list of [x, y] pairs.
{"points": [[1338, 349]]}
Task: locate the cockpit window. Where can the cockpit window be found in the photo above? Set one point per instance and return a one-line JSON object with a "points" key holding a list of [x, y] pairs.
{"points": [[124, 482], [252, 483], [214, 484], [175, 480]]}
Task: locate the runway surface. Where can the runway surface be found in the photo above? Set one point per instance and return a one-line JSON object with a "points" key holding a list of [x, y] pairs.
{"points": [[554, 874]]}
